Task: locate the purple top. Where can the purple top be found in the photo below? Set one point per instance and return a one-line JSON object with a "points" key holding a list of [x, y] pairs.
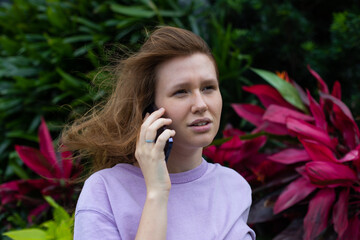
{"points": [[208, 202]]}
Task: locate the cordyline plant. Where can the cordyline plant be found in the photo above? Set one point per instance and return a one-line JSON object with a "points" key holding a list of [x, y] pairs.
{"points": [[325, 153], [56, 169]]}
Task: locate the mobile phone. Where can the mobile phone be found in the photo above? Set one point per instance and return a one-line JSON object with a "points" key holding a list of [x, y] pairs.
{"points": [[167, 149]]}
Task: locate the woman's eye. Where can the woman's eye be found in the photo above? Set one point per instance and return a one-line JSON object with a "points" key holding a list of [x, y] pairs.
{"points": [[209, 88], [180, 92]]}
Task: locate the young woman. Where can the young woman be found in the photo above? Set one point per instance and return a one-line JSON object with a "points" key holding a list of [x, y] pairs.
{"points": [[134, 193]]}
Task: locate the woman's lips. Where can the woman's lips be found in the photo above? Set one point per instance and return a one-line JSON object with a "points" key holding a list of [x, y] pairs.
{"points": [[201, 125]]}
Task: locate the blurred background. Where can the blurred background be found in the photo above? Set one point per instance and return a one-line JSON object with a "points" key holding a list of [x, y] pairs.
{"points": [[51, 52]]}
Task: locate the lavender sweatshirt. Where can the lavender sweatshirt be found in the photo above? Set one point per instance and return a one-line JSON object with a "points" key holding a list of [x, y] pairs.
{"points": [[208, 202]]}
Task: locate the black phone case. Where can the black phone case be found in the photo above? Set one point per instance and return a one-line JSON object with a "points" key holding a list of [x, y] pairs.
{"points": [[167, 149]]}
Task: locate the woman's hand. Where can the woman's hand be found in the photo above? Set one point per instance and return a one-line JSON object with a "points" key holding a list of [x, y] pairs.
{"points": [[150, 155]]}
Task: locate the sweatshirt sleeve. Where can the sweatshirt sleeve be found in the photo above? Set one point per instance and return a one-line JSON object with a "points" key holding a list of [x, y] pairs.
{"points": [[94, 225], [240, 230], [93, 216]]}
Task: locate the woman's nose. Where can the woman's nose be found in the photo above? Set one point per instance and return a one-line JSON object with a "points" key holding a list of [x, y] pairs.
{"points": [[198, 105]]}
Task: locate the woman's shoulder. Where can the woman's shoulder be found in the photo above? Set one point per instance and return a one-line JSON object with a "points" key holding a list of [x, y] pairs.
{"points": [[121, 170], [227, 175]]}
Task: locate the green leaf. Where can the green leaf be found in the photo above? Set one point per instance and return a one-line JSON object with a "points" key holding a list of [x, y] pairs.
{"points": [[21, 135], [16, 166], [218, 142], [59, 213], [70, 80], [27, 234], [286, 90], [87, 23], [133, 11]]}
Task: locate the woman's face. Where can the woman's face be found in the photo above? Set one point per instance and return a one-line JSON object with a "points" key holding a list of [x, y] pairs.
{"points": [[188, 89]]}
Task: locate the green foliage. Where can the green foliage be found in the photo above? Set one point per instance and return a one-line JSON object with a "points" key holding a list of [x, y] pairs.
{"points": [[286, 90], [59, 228], [50, 52]]}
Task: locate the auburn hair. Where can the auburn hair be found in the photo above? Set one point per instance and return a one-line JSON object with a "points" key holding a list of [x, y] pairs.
{"points": [[107, 134]]}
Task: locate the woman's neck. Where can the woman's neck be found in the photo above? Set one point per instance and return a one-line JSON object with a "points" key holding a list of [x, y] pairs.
{"points": [[181, 161]]}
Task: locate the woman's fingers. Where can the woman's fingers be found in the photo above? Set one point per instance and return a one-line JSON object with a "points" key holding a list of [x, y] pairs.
{"points": [[163, 137], [148, 120]]}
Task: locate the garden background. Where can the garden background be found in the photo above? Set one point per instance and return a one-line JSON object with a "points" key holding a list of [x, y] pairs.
{"points": [[50, 54]]}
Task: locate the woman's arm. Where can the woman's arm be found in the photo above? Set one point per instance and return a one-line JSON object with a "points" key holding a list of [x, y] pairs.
{"points": [[151, 159]]}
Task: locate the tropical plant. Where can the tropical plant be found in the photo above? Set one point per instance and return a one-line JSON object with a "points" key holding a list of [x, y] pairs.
{"points": [[60, 227], [57, 171], [317, 146]]}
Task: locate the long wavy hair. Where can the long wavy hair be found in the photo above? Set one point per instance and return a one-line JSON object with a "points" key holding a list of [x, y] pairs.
{"points": [[107, 134]]}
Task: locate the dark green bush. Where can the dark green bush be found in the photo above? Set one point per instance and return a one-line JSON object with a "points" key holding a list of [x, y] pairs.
{"points": [[50, 51]]}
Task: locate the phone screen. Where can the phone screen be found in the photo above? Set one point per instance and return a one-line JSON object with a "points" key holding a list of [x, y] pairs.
{"points": [[167, 149]]}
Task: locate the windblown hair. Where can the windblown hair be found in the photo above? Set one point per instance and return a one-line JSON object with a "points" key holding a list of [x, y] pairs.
{"points": [[107, 135]]}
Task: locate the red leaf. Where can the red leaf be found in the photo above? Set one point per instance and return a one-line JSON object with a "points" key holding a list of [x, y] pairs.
{"points": [[37, 211], [306, 130], [317, 151], [353, 230], [336, 92], [47, 148], [353, 155], [316, 219], [278, 114], [346, 111], [251, 113], [344, 121], [322, 85], [67, 164], [229, 131], [273, 128], [35, 160], [302, 93], [210, 152], [291, 195], [318, 113], [330, 174], [228, 152], [8, 192], [268, 95], [290, 156], [340, 213]]}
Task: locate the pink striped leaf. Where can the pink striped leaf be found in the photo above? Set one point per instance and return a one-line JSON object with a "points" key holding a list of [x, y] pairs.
{"points": [[322, 85], [318, 113], [344, 121], [67, 164], [268, 95], [36, 161], [344, 109], [318, 151], [230, 131], [340, 213], [306, 130], [47, 148], [291, 195], [336, 92], [278, 114], [290, 156], [353, 155], [353, 230], [250, 112], [330, 174], [37, 211], [273, 128], [228, 152], [302, 93], [316, 219]]}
